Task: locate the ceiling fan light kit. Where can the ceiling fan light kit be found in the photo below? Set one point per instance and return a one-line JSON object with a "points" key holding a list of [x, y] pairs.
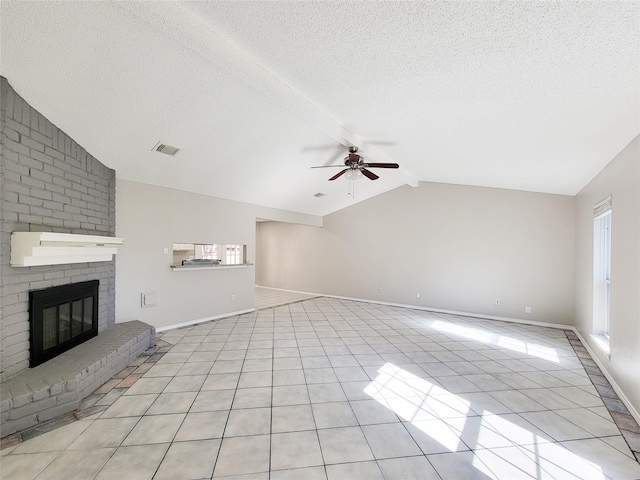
{"points": [[353, 174]]}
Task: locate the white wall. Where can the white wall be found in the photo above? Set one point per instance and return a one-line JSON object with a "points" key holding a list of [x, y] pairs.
{"points": [[461, 247], [621, 180], [151, 218]]}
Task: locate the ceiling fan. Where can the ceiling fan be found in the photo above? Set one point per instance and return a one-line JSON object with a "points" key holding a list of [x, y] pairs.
{"points": [[356, 166]]}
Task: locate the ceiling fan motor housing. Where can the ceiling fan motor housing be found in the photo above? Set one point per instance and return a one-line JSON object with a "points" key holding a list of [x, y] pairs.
{"points": [[353, 159]]}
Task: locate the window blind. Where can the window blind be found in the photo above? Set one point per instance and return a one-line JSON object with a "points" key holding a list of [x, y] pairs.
{"points": [[602, 207]]}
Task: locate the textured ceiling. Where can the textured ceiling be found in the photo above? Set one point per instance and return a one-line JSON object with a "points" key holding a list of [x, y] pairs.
{"points": [[534, 96]]}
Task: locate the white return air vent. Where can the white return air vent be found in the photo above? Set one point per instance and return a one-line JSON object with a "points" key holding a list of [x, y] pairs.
{"points": [[29, 249], [164, 148]]}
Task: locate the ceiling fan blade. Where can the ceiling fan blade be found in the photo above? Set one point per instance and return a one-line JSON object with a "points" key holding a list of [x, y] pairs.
{"points": [[339, 174], [369, 174], [337, 154], [382, 165], [354, 158]]}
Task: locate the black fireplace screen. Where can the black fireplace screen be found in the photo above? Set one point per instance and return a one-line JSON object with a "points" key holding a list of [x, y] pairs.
{"points": [[61, 318]]}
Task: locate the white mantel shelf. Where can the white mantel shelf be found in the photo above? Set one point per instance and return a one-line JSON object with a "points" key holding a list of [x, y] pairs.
{"points": [[30, 249], [217, 267]]}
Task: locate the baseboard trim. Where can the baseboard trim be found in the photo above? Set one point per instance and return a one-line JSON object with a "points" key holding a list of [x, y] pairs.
{"points": [[202, 320], [430, 309], [634, 413]]}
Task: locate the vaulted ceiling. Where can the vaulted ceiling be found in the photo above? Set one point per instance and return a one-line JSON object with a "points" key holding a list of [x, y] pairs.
{"points": [[535, 96]]}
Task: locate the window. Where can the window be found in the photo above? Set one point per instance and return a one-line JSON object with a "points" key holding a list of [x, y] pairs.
{"points": [[602, 270], [234, 254], [209, 252]]}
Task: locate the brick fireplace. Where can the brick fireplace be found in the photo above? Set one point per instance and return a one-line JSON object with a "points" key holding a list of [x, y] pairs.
{"points": [[49, 183]]}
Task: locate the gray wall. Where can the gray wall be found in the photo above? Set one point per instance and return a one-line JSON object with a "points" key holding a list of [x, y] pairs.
{"points": [[48, 183], [152, 218], [621, 180], [460, 247]]}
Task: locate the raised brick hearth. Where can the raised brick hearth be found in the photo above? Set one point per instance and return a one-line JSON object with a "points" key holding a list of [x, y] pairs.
{"points": [[56, 387]]}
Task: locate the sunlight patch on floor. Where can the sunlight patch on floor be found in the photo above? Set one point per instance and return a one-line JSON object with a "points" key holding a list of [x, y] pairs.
{"points": [[503, 443], [536, 350]]}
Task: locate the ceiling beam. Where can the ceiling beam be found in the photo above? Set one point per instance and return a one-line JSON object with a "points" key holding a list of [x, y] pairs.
{"points": [[177, 21]]}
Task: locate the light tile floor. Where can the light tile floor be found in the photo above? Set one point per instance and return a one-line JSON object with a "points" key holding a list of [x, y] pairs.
{"points": [[273, 297], [334, 389]]}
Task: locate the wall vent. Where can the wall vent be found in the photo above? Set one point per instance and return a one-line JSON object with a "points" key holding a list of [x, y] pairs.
{"points": [[164, 148], [319, 194]]}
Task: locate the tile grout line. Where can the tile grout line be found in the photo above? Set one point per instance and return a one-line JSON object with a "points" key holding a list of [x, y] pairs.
{"points": [[348, 402], [379, 323]]}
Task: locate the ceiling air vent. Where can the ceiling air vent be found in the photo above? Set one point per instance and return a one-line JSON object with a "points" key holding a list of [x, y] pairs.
{"points": [[319, 194], [167, 149]]}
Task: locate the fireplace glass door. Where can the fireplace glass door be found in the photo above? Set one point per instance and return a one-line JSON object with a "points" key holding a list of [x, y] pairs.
{"points": [[61, 318]]}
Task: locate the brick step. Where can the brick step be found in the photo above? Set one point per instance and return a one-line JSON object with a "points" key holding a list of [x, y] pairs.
{"points": [[58, 386]]}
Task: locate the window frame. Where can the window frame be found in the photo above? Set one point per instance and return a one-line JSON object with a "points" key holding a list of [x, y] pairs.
{"points": [[602, 223]]}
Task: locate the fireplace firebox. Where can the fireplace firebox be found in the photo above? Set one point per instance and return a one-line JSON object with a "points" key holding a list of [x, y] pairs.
{"points": [[61, 318]]}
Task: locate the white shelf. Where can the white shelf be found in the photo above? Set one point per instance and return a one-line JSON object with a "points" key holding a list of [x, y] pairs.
{"points": [[29, 249], [218, 267]]}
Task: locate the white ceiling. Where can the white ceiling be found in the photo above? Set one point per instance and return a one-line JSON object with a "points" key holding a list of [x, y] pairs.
{"points": [[535, 96]]}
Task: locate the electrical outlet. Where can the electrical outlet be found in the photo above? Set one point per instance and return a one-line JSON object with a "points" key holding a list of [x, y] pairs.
{"points": [[497, 302], [379, 289], [418, 295], [282, 280], [165, 251], [233, 298], [527, 309]]}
